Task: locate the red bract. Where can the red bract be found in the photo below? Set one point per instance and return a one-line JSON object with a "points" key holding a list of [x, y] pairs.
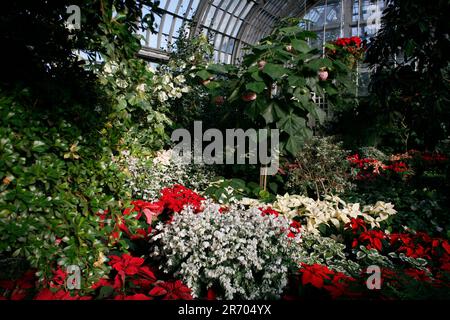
{"points": [[315, 274], [419, 275], [149, 209], [434, 157], [171, 290], [179, 196], [47, 294], [137, 296], [126, 264], [211, 295], [357, 225], [339, 285], [372, 239], [19, 289]]}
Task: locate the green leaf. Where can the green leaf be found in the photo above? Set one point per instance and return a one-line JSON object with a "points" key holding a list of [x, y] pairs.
{"points": [[318, 114], [269, 113], [294, 144], [218, 68], [278, 111], [257, 87], [290, 30], [256, 108], [296, 81], [105, 292], [203, 74], [256, 76], [213, 85], [301, 45], [39, 146], [292, 124], [275, 71], [319, 63]]}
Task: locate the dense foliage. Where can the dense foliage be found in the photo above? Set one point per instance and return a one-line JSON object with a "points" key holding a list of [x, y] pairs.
{"points": [[88, 178]]}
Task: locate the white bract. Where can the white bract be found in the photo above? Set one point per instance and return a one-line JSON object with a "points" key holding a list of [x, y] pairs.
{"points": [[331, 211]]}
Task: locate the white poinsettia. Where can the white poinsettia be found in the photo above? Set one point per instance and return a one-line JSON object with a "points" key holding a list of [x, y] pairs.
{"points": [[331, 211]]}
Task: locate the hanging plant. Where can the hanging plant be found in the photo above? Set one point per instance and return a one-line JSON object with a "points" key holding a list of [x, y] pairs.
{"points": [[323, 74]]}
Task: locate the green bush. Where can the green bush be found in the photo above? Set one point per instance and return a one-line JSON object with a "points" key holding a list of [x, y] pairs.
{"points": [[54, 181], [320, 168]]}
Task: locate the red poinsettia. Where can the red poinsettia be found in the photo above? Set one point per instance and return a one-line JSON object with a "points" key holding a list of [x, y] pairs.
{"points": [[126, 264], [59, 294], [315, 274], [171, 290], [372, 239], [137, 296], [356, 225], [18, 289], [339, 285]]}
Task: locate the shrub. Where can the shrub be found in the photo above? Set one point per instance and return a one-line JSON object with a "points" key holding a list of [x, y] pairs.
{"points": [[54, 180], [319, 169], [147, 175], [239, 253]]}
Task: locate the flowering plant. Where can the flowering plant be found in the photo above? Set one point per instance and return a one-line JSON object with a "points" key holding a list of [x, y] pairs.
{"points": [[368, 168], [331, 211], [349, 50], [238, 253], [147, 175]]}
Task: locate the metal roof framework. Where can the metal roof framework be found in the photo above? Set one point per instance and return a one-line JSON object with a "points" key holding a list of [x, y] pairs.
{"points": [[231, 24]]}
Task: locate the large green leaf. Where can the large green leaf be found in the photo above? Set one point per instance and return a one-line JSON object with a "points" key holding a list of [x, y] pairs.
{"points": [[294, 144], [269, 113], [275, 71], [319, 63], [218, 68], [204, 74], [317, 113], [255, 109], [292, 124], [301, 45], [257, 87], [296, 81], [256, 76]]}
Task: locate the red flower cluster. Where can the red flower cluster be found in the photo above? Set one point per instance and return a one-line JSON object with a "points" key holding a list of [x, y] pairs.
{"points": [[269, 211], [434, 157], [17, 289], [356, 225], [319, 276], [368, 168], [345, 42], [136, 281], [421, 245], [372, 239], [295, 228], [414, 245], [179, 196], [171, 290], [56, 289], [398, 167]]}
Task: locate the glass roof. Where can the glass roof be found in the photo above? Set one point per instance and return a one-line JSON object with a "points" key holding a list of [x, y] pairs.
{"points": [[230, 24], [233, 24]]}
